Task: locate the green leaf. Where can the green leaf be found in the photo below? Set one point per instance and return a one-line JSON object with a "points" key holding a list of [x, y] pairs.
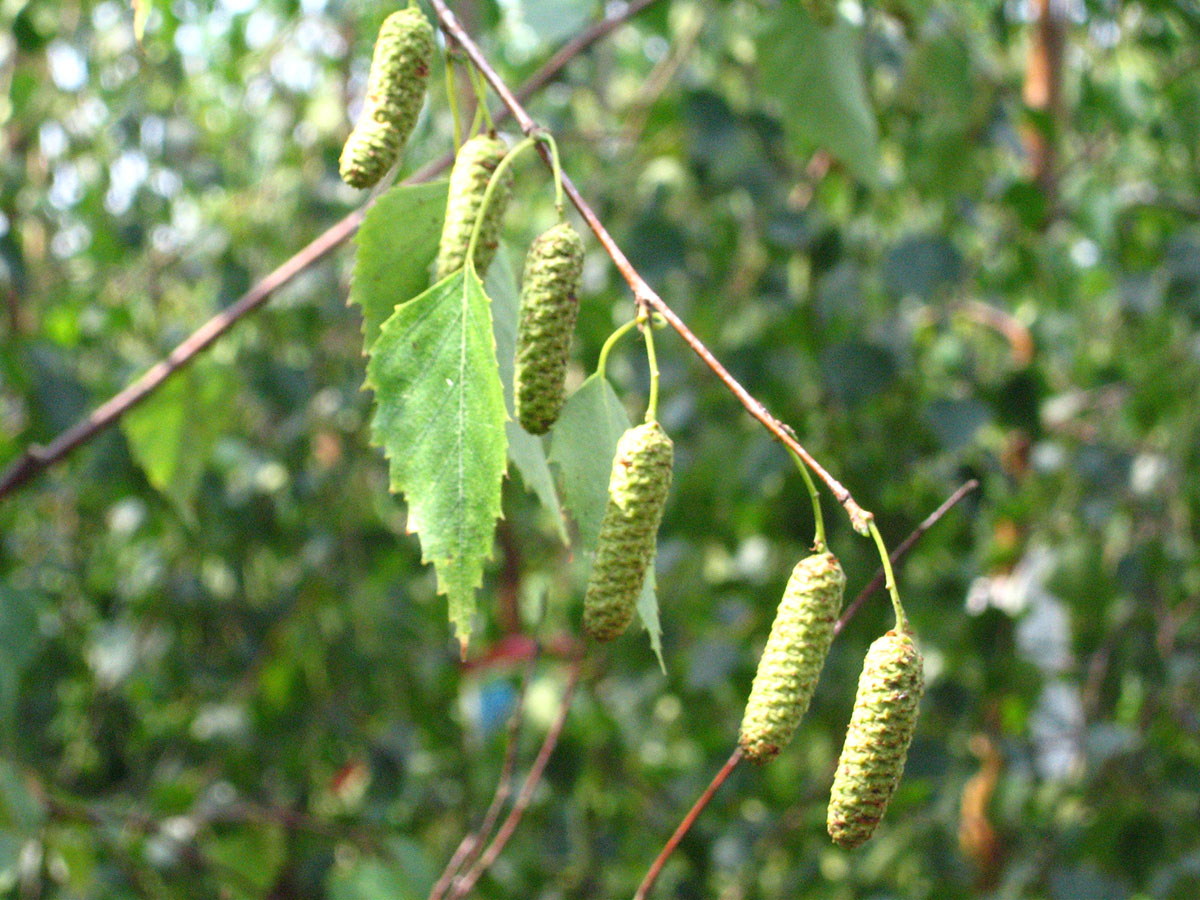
{"points": [[440, 420], [815, 74], [647, 607], [404, 873], [526, 451], [582, 444], [19, 639], [19, 809], [396, 244], [141, 12], [173, 433], [255, 854]]}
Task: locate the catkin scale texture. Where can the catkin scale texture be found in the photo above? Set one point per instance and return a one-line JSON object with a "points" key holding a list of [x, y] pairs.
{"points": [[395, 90], [476, 161], [793, 658], [549, 305], [637, 494], [881, 728]]}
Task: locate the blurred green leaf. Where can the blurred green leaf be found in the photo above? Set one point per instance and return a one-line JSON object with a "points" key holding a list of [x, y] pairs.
{"points": [[921, 265], [407, 875], [141, 12], [254, 855], [19, 641], [815, 75], [172, 433]]}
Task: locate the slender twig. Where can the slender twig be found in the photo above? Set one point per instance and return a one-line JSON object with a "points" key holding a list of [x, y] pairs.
{"points": [[642, 292], [872, 586], [463, 884], [468, 847], [902, 549], [36, 459], [686, 824]]}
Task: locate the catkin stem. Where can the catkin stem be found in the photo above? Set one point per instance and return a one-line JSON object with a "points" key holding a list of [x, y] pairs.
{"points": [[487, 195], [889, 578], [818, 516], [610, 343], [452, 101], [556, 165], [652, 358], [481, 96]]}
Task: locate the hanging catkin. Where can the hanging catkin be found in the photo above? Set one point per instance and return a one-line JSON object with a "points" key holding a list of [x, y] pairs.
{"points": [[637, 493], [793, 657], [473, 167], [395, 90], [881, 728], [548, 308]]}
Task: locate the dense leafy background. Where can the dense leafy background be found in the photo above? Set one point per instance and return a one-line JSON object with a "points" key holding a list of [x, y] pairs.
{"points": [[224, 671]]}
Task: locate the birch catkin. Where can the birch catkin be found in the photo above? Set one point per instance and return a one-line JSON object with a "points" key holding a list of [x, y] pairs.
{"points": [[476, 161], [395, 90], [793, 657], [637, 493], [549, 306], [881, 728]]}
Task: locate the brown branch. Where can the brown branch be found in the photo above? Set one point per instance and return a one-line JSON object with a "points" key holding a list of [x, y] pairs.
{"points": [[872, 586], [468, 847], [36, 459], [686, 824], [642, 292], [463, 884], [1042, 92]]}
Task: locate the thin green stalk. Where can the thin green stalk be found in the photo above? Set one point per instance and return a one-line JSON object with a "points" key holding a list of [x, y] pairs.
{"points": [[889, 577], [652, 404], [476, 120], [491, 189], [481, 96], [452, 100], [610, 343], [819, 545], [556, 165]]}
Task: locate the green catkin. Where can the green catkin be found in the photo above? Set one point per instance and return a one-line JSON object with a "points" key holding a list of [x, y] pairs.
{"points": [[473, 167], [793, 657], [881, 728], [549, 304], [395, 90], [637, 493]]}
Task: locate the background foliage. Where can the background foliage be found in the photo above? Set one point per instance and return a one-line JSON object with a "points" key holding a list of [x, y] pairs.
{"points": [[223, 669]]}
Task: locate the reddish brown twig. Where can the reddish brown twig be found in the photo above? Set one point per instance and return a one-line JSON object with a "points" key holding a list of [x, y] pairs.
{"points": [[686, 824], [464, 855], [872, 586], [36, 459], [463, 884], [642, 292]]}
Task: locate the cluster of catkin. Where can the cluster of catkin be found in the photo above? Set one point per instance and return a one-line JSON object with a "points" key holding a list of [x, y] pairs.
{"points": [[885, 708], [891, 684]]}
